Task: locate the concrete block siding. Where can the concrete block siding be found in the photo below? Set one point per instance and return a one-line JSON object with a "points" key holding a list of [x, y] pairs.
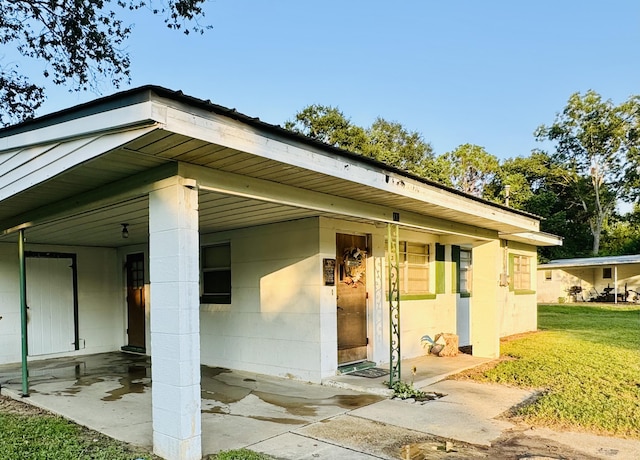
{"points": [[101, 315]]}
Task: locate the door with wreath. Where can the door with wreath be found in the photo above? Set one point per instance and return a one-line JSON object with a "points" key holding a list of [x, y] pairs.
{"points": [[351, 298]]}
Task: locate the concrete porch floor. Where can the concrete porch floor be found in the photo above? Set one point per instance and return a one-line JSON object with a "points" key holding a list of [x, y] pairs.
{"points": [[111, 393]]}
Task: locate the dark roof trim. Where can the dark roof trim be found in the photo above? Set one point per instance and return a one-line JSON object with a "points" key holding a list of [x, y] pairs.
{"points": [[145, 93]]}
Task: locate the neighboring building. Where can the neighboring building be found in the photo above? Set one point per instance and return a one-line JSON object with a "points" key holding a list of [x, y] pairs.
{"points": [[167, 225], [601, 279]]}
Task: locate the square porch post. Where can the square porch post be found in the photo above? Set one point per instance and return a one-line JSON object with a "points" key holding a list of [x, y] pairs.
{"points": [[175, 322], [489, 299]]}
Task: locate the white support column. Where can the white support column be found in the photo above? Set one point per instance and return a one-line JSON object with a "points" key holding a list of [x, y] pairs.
{"points": [[175, 322]]}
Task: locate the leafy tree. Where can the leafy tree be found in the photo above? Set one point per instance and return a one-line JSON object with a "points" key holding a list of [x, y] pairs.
{"points": [[593, 141], [80, 42], [385, 141], [536, 186], [329, 125], [468, 168], [622, 234]]}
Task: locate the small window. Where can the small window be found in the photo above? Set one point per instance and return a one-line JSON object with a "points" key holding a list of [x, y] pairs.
{"points": [[413, 263], [465, 271], [521, 272], [547, 275], [216, 274], [606, 273]]}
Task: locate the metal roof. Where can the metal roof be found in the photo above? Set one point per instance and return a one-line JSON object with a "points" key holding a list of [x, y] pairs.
{"points": [[591, 262]]}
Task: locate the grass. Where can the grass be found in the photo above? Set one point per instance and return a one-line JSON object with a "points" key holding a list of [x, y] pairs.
{"points": [[45, 437], [586, 362], [239, 454], [27, 432]]}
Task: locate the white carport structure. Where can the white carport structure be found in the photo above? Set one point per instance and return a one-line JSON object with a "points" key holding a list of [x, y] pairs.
{"points": [[590, 274], [173, 168]]}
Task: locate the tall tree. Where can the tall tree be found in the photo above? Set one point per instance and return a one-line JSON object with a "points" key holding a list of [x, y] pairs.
{"points": [[469, 168], [80, 42], [385, 141], [536, 186], [593, 140]]}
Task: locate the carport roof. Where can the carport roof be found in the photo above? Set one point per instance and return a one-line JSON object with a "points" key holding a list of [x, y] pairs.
{"points": [[591, 262], [136, 137]]}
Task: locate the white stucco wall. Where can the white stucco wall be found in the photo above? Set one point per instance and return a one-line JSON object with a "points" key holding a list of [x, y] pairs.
{"points": [[282, 318], [272, 325], [100, 316]]}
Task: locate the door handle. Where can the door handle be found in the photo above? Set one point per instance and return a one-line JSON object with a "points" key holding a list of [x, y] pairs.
{"points": [[339, 308]]}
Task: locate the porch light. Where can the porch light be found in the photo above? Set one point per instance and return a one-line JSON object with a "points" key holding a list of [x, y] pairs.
{"points": [[125, 231]]}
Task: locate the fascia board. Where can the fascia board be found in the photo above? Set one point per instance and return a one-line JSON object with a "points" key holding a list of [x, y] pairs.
{"points": [[117, 119]]}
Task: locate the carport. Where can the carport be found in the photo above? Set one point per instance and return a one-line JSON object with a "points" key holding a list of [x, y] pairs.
{"points": [[162, 169]]}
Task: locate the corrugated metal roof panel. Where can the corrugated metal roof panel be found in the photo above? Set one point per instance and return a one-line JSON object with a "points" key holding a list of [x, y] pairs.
{"points": [[591, 262]]}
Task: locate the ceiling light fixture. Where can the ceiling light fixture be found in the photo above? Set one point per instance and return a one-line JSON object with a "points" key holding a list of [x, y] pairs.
{"points": [[125, 231]]}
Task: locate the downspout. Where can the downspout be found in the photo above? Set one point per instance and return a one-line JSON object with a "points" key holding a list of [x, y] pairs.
{"points": [[23, 314]]}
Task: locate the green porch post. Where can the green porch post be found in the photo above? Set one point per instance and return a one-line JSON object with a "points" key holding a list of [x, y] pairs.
{"points": [[23, 314]]}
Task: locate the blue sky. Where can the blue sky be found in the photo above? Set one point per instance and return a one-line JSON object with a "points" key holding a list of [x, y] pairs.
{"points": [[482, 72]]}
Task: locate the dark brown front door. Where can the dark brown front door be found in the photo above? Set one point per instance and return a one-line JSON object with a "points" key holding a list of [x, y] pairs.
{"points": [[135, 302], [352, 298]]}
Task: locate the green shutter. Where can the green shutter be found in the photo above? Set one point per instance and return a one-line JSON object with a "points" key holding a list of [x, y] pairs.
{"points": [[455, 269], [440, 284]]}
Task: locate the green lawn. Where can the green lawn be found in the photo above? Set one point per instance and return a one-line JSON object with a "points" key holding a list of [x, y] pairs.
{"points": [[586, 362], [27, 432], [45, 437]]}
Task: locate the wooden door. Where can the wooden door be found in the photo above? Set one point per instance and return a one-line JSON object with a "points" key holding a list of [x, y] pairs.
{"points": [[50, 302], [352, 298], [135, 302]]}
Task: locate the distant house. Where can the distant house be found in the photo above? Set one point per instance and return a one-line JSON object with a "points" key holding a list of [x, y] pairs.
{"points": [[602, 279], [162, 224]]}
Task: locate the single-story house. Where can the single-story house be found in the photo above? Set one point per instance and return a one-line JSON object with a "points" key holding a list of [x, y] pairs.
{"points": [[602, 279], [158, 223]]}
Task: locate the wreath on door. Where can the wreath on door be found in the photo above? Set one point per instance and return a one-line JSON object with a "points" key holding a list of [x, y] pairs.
{"points": [[353, 261]]}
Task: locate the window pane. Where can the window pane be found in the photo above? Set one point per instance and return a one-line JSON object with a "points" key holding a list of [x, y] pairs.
{"points": [[216, 256], [216, 273], [521, 272], [217, 282], [465, 269], [414, 267]]}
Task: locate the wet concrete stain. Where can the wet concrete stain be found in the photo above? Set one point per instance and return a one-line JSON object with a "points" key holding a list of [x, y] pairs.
{"points": [[280, 420], [132, 373], [215, 389], [136, 381]]}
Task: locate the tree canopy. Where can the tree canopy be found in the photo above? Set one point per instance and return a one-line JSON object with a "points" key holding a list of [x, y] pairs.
{"points": [[386, 141], [594, 142], [469, 168], [575, 189], [80, 43]]}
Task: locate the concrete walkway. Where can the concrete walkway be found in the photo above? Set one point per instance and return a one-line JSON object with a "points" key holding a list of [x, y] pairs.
{"points": [[110, 392]]}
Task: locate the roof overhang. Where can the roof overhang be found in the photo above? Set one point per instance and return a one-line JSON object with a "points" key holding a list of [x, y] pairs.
{"points": [[533, 238], [588, 262], [49, 162]]}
